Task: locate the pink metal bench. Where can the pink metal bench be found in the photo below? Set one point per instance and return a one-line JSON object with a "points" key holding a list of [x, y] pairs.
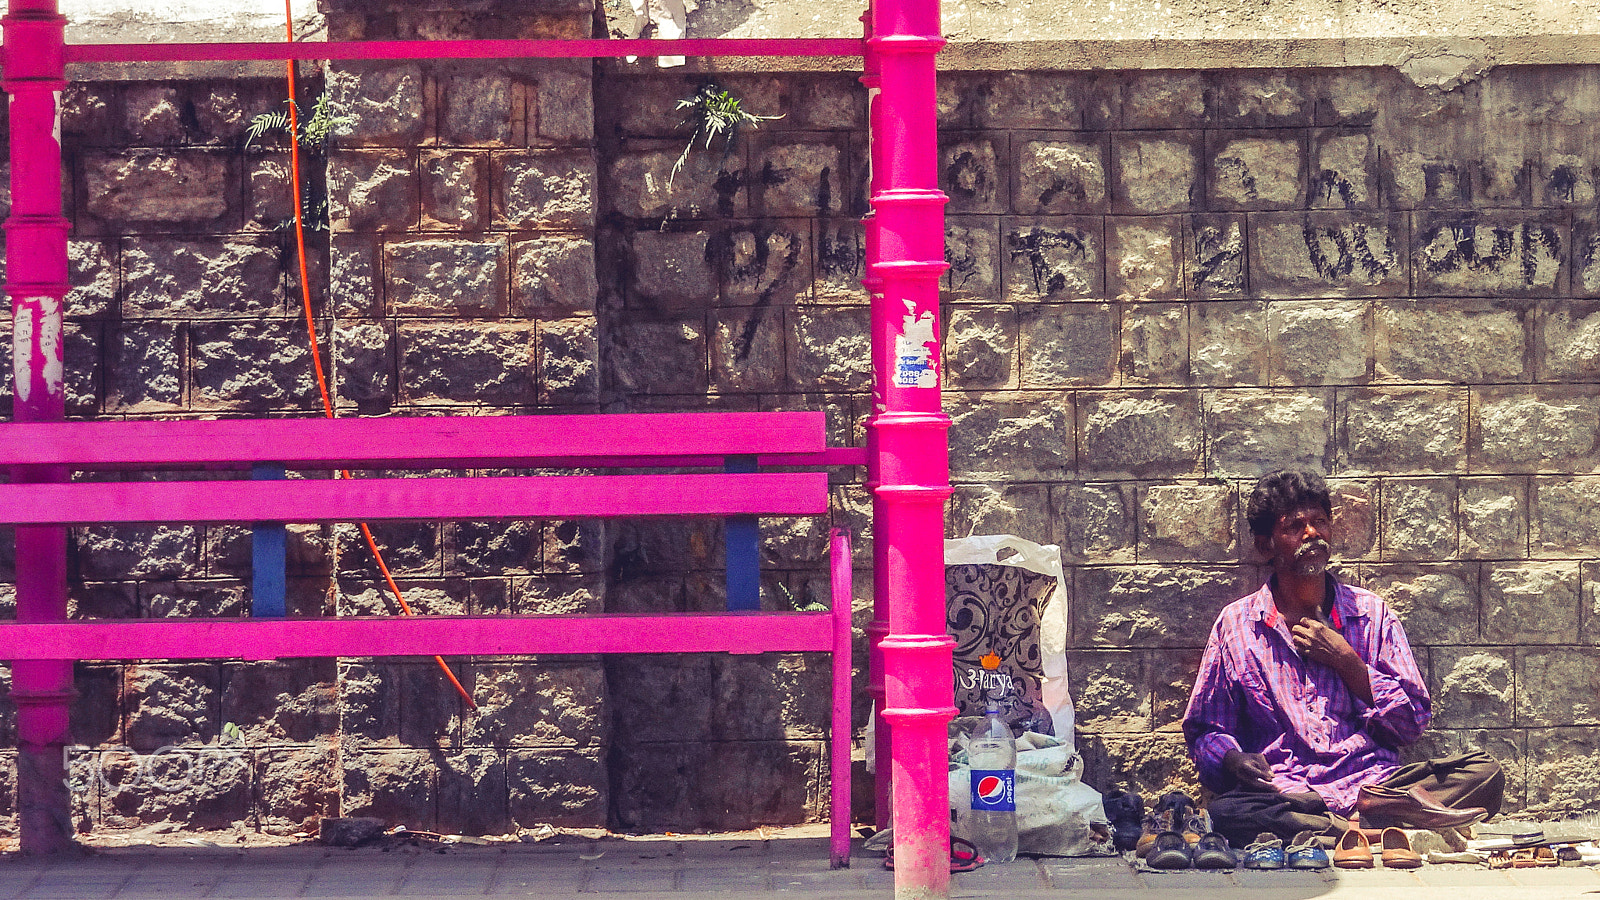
{"points": [[742, 442]]}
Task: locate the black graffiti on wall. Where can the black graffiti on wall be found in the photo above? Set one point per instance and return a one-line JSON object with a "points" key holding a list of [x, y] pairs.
{"points": [[1051, 254], [1465, 244], [1338, 252]]}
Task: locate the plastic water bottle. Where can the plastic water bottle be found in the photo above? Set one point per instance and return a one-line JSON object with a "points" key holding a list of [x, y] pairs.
{"points": [[992, 753]]}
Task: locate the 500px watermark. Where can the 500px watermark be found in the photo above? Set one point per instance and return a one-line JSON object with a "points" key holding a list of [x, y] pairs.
{"points": [[170, 769]]}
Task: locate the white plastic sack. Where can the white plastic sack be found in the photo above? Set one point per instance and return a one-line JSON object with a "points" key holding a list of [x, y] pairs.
{"points": [[1055, 809]]}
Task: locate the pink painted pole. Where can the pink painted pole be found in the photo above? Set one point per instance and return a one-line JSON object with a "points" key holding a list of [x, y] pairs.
{"points": [[842, 596], [879, 626], [910, 430], [36, 272]]}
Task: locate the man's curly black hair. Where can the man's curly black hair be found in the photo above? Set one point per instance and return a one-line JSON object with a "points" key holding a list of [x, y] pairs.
{"points": [[1284, 492]]}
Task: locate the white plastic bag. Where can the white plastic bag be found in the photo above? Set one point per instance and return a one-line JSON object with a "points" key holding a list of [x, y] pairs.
{"points": [[1055, 809], [1043, 559]]}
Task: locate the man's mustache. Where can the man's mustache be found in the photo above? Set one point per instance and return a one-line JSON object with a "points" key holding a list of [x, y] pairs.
{"points": [[1312, 545]]}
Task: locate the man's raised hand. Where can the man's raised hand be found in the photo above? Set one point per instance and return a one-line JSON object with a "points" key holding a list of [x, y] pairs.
{"points": [[1249, 769]]}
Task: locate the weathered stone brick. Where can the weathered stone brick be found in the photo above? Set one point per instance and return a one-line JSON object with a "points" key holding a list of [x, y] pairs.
{"points": [[1498, 254], [974, 172], [762, 264], [490, 363], [1150, 764], [550, 595], [657, 357], [382, 102], [525, 704], [1523, 431], [1020, 509], [409, 548], [1453, 340], [557, 786], [673, 269], [1564, 179], [92, 272], [1349, 96], [1585, 256], [1010, 436], [1111, 691], [446, 277], [171, 704], [393, 785], [137, 551], [972, 249], [479, 107], [1320, 342], [1146, 434], [1155, 344], [1031, 100], [1169, 99], [1229, 343], [1144, 258], [1214, 264], [1058, 174], [1355, 517], [553, 273], [450, 189], [227, 550], [565, 99], [649, 189], [1559, 505], [1155, 172], [364, 363], [802, 175], [747, 350], [1097, 522], [1322, 254], [1472, 688], [828, 348], [271, 202], [82, 351], [1567, 340], [1343, 170], [1188, 522], [1530, 604], [1150, 606], [980, 347], [156, 187], [185, 599], [473, 798], [1494, 518], [220, 112], [841, 261], [1248, 435], [1262, 99], [200, 789], [372, 190], [1053, 259], [549, 189], [92, 600], [1418, 520], [1426, 180], [145, 367], [1403, 430], [1563, 769], [493, 548], [291, 701], [569, 361], [1437, 603], [190, 279], [716, 785], [1559, 686], [353, 275], [1255, 171], [297, 786], [1071, 344], [251, 365]]}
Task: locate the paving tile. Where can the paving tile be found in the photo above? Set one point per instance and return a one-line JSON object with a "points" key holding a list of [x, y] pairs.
{"points": [[1099, 874], [631, 879], [1279, 878], [1460, 875], [709, 879], [1557, 876]]}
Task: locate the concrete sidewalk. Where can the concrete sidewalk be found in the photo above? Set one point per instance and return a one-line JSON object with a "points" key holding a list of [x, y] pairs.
{"points": [[666, 867]]}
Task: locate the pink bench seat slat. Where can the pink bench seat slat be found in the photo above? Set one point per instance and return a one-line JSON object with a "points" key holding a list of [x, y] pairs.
{"points": [[420, 636], [381, 499], [409, 443]]}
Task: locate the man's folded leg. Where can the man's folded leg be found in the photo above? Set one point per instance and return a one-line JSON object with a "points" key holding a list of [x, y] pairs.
{"points": [[1463, 781], [1240, 816]]}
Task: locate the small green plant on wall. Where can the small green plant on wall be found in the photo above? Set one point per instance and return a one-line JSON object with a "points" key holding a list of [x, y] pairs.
{"points": [[313, 139], [714, 112]]}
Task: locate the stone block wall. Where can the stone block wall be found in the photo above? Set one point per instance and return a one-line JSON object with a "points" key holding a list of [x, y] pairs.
{"points": [[1162, 284]]}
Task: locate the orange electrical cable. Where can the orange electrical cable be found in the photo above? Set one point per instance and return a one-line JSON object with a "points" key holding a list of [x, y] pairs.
{"points": [[311, 331]]}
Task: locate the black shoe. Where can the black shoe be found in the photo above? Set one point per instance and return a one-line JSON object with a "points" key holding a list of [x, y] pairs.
{"points": [[1125, 809]]}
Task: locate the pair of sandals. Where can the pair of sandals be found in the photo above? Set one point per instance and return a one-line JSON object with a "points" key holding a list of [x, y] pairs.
{"points": [[1354, 850], [964, 856]]}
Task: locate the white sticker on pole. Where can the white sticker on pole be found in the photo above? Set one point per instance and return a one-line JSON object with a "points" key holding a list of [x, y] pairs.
{"points": [[914, 364]]}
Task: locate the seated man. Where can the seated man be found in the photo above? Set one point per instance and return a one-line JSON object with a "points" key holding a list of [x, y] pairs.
{"points": [[1308, 689]]}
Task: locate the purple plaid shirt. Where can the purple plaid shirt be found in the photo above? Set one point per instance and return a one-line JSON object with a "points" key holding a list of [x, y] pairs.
{"points": [[1254, 693]]}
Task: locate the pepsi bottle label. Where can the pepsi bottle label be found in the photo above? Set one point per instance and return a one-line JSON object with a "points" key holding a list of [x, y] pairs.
{"points": [[994, 790]]}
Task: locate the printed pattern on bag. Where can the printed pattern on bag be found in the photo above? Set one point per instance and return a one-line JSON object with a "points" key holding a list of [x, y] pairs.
{"points": [[993, 613]]}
